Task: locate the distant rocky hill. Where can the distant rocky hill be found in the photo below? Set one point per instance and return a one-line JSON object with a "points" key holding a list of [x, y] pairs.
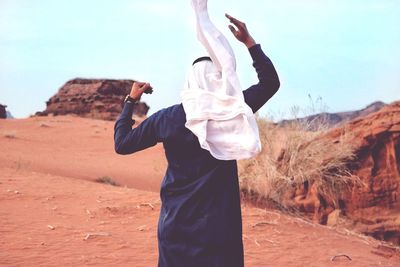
{"points": [[92, 98], [335, 119], [9, 115], [3, 112]]}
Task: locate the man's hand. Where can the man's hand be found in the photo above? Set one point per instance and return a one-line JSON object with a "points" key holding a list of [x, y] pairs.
{"points": [[138, 88], [241, 33]]}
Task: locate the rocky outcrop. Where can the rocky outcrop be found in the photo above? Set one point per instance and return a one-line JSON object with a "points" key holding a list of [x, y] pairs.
{"points": [[373, 206], [335, 119], [92, 98], [3, 112]]}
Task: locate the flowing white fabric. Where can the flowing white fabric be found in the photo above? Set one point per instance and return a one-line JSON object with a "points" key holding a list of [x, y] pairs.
{"points": [[213, 100]]}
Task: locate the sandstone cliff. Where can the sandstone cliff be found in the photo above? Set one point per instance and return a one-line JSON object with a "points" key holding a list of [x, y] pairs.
{"points": [[373, 207], [92, 98]]}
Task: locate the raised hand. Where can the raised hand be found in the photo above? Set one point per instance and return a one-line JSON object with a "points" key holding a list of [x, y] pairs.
{"points": [[240, 32], [138, 88]]}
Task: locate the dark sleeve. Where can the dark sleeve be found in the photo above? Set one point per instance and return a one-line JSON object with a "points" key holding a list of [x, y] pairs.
{"points": [[257, 95], [128, 140]]}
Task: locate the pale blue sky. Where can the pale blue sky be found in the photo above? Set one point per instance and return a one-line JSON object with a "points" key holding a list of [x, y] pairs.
{"points": [[345, 51]]}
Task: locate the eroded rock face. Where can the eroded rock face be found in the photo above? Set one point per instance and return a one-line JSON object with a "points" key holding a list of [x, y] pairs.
{"points": [[3, 112], [92, 98], [374, 207]]}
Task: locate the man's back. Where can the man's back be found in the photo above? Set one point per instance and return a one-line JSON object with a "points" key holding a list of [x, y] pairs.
{"points": [[200, 215], [200, 219]]}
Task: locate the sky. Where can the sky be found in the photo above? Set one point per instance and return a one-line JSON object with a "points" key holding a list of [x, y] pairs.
{"points": [[344, 52]]}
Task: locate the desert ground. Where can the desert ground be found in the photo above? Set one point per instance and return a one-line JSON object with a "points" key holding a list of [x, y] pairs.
{"points": [[54, 214]]}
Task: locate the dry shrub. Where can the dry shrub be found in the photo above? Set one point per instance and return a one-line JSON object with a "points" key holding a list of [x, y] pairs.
{"points": [[44, 125], [106, 180], [296, 155], [10, 134]]}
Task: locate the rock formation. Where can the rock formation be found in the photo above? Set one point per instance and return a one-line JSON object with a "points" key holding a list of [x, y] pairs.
{"points": [[374, 207], [335, 119], [3, 112], [92, 98]]}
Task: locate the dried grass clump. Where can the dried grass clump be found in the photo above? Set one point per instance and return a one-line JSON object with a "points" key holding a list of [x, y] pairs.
{"points": [[10, 134], [44, 125], [296, 155], [106, 180]]}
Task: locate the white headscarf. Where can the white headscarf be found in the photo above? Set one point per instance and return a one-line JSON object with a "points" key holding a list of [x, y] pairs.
{"points": [[213, 99]]}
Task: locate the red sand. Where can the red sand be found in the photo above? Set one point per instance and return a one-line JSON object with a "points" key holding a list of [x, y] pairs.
{"points": [[79, 148], [48, 217]]}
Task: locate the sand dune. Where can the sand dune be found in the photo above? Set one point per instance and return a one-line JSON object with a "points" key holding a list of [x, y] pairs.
{"points": [[76, 147], [53, 215]]}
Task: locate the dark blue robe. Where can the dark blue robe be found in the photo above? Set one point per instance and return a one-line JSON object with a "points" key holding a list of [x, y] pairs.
{"points": [[200, 219]]}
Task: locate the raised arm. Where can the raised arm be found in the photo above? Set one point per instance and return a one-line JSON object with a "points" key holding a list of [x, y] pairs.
{"points": [[268, 81], [257, 95], [240, 32], [128, 140]]}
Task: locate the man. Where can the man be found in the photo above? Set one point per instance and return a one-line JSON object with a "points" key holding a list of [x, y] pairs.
{"points": [[200, 219]]}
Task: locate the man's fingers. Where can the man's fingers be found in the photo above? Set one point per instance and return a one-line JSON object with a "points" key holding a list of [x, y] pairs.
{"points": [[233, 30], [235, 21], [140, 84], [146, 88], [142, 87], [228, 16], [149, 90]]}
